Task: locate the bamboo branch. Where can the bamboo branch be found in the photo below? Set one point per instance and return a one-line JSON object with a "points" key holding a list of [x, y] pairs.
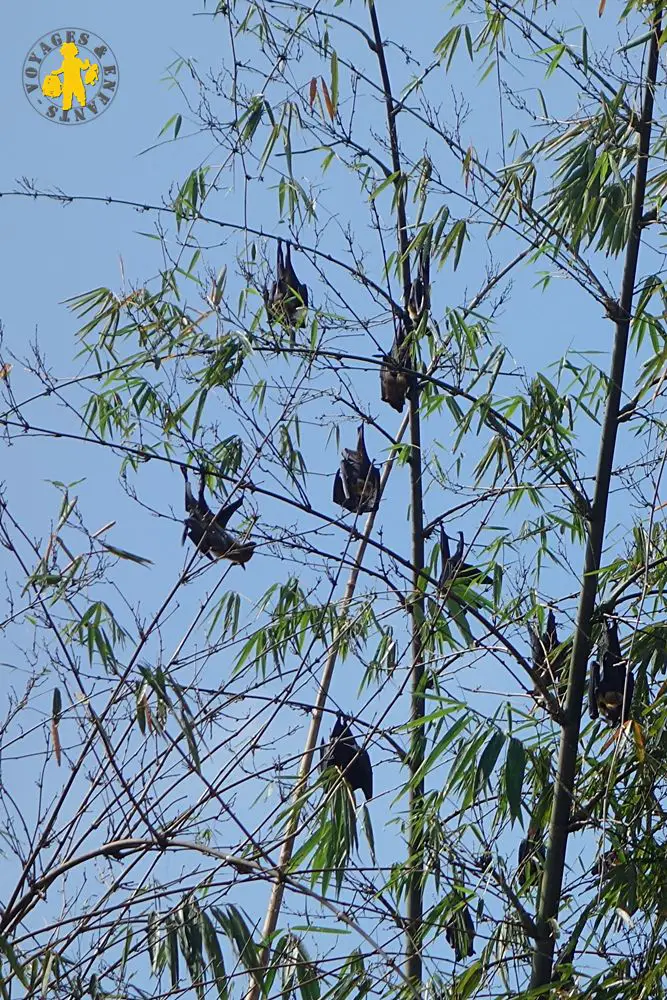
{"points": [[306, 763], [415, 894]]}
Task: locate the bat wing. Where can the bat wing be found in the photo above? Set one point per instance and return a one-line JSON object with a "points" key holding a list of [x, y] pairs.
{"points": [[458, 555], [551, 633], [370, 492], [470, 931], [352, 468], [226, 511], [445, 557], [190, 502], [393, 387], [460, 933], [340, 727], [593, 684], [416, 300], [198, 535], [613, 643], [364, 458], [469, 572], [324, 757], [364, 775], [536, 649], [340, 494]]}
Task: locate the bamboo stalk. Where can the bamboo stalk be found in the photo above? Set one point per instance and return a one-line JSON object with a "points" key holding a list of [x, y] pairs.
{"points": [[567, 761]]}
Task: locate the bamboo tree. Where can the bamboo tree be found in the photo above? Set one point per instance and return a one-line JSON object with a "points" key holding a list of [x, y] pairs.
{"points": [[415, 892], [620, 315], [169, 706]]}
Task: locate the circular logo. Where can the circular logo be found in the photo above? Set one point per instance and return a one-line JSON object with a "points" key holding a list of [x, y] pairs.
{"points": [[70, 76]]}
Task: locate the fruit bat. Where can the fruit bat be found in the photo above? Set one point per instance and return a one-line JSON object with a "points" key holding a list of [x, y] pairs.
{"points": [[207, 530], [343, 752], [394, 380], [607, 685], [542, 646], [531, 858], [357, 482], [605, 864], [460, 933], [453, 566], [548, 668], [287, 300], [419, 298]]}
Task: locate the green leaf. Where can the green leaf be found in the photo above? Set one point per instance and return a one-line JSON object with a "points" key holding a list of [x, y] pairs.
{"points": [[154, 940], [515, 764], [235, 927], [124, 554], [50, 966], [368, 831], [488, 759], [176, 121], [334, 81], [214, 953]]}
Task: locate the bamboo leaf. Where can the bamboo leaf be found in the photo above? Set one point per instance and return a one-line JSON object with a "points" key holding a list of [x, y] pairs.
{"points": [[56, 710], [515, 764], [327, 99], [334, 82]]}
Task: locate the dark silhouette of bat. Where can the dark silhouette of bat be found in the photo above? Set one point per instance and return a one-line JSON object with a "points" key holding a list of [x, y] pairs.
{"points": [[542, 646], [287, 300], [395, 376], [357, 482], [550, 667], [605, 864], [460, 933], [531, 857], [419, 300], [343, 752], [547, 667], [453, 566], [607, 682], [207, 530], [394, 379]]}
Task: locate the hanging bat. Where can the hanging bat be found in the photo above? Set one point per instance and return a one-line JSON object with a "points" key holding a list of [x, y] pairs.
{"points": [[207, 530], [548, 668], [344, 752], [460, 933], [394, 379], [419, 300], [453, 566], [607, 685], [287, 300], [605, 864], [531, 858], [357, 482], [542, 646]]}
